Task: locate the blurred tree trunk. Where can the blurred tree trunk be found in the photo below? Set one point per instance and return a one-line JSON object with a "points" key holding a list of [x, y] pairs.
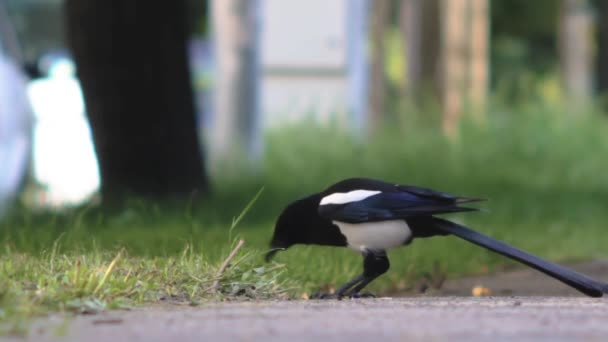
{"points": [[454, 62], [235, 31], [602, 53], [419, 26], [464, 57], [478, 32], [378, 87], [131, 58], [576, 49]]}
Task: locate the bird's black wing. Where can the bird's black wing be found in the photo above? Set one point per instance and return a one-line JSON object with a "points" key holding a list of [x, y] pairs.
{"points": [[582, 283], [399, 204]]}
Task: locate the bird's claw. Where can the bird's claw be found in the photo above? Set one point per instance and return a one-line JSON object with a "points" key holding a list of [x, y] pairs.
{"points": [[319, 295], [361, 295]]}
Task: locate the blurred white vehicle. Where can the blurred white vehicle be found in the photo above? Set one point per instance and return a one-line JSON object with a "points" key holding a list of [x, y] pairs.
{"points": [[64, 161], [15, 116]]}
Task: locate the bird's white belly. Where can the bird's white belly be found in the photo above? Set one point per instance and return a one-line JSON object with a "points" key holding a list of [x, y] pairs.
{"points": [[380, 235]]}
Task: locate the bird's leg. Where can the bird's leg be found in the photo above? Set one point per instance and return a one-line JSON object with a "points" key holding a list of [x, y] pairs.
{"points": [[340, 293], [374, 265], [348, 285]]}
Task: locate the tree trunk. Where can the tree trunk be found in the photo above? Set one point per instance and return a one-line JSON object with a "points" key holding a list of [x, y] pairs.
{"points": [[454, 62], [478, 17], [131, 58], [410, 27], [464, 54], [419, 27], [576, 49], [378, 87]]}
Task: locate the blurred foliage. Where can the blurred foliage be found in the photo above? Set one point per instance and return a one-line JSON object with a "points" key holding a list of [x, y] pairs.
{"points": [[523, 46], [523, 49], [540, 169], [534, 21]]}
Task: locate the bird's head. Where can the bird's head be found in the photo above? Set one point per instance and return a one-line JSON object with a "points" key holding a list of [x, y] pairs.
{"points": [[289, 229], [300, 223]]}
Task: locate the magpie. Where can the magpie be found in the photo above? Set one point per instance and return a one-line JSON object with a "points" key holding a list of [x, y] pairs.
{"points": [[372, 216]]}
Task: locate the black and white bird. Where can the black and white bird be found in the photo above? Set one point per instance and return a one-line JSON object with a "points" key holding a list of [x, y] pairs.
{"points": [[372, 216]]}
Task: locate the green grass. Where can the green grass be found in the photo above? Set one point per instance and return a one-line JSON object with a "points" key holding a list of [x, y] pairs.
{"points": [[89, 282], [542, 169], [67, 267]]}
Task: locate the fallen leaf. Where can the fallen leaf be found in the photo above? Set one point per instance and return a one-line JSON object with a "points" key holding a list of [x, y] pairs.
{"points": [[480, 291]]}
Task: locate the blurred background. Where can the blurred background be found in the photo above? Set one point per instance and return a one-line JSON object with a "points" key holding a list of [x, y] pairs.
{"points": [[107, 103]]}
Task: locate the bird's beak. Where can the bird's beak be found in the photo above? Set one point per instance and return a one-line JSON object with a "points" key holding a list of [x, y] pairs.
{"points": [[272, 252]]}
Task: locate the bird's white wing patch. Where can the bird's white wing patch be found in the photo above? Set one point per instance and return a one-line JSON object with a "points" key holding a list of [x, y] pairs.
{"points": [[347, 197]]}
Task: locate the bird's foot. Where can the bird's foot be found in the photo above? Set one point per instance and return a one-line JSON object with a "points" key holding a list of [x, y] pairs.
{"points": [[361, 295], [320, 295], [356, 295]]}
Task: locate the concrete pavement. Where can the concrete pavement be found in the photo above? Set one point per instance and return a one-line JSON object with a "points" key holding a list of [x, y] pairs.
{"points": [[385, 319]]}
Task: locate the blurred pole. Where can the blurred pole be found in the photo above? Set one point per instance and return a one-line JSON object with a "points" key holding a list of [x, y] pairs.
{"points": [[410, 25], [602, 47], [358, 68], [9, 42], [236, 106], [379, 21], [576, 49], [602, 53]]}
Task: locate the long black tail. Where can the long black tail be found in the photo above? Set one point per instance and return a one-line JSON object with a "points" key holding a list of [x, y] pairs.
{"points": [[581, 282]]}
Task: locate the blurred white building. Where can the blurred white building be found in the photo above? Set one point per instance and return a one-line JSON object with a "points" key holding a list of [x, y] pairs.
{"points": [[283, 61], [313, 61]]}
